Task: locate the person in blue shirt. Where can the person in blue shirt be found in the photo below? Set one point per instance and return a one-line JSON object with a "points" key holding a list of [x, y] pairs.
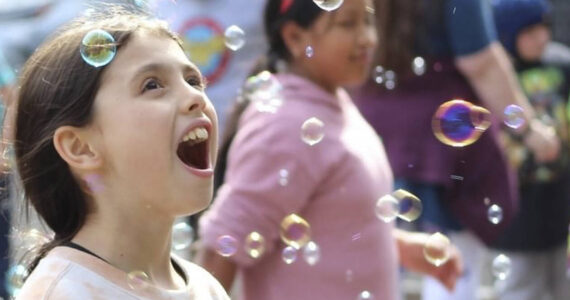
{"points": [[463, 59]]}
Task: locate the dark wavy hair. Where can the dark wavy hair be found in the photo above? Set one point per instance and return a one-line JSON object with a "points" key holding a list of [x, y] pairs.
{"points": [[304, 13], [58, 88]]}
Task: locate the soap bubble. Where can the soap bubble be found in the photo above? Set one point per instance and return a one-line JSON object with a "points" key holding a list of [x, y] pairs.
{"points": [[495, 214], [410, 206], [501, 266], [437, 249], [255, 245], [387, 208], [234, 37], [311, 253], [514, 116], [312, 131], [328, 5], [226, 245], [459, 123], [295, 231], [98, 48]]}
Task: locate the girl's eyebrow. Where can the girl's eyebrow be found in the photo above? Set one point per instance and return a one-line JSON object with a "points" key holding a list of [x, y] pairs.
{"points": [[163, 67]]}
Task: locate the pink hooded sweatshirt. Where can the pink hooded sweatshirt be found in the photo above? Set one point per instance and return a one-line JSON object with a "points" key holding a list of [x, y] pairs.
{"points": [[334, 185]]}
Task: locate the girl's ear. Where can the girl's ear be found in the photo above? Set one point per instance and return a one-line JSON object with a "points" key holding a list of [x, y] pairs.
{"points": [[296, 39], [73, 145]]}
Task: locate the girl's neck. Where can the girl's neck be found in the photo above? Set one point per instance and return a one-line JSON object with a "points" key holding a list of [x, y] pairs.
{"points": [[132, 242]]}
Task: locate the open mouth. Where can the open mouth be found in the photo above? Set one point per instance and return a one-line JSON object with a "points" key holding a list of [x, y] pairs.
{"points": [[193, 150]]}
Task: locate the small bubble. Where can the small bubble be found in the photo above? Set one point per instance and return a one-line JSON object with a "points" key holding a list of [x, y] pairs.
{"points": [[487, 201], [387, 208], [182, 234], [98, 48], [295, 231], [501, 266], [283, 177], [495, 214], [365, 295], [328, 5], [137, 280], [309, 52], [234, 38], [255, 245], [311, 253], [419, 66], [312, 131], [226, 245], [410, 206], [514, 116], [378, 74], [437, 249], [289, 255]]}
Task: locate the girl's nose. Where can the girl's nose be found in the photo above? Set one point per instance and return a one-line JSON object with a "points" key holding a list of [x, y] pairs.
{"points": [[192, 100]]}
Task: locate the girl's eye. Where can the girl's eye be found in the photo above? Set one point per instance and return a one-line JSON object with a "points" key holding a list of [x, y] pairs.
{"points": [[151, 84], [196, 82]]}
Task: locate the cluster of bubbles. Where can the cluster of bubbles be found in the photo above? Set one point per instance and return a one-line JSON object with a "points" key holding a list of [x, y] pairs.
{"points": [[311, 253], [460, 123], [399, 203], [384, 77], [329, 5], [234, 37], [182, 236], [264, 91], [514, 116], [501, 266], [312, 131], [98, 48], [437, 249]]}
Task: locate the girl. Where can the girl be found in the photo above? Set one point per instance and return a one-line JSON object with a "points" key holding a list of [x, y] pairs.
{"points": [[333, 184], [109, 156]]}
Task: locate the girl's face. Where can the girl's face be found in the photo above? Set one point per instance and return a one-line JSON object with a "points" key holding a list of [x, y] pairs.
{"points": [[156, 128], [343, 44]]}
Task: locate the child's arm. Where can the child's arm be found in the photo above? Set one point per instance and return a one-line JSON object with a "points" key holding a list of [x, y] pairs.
{"points": [[221, 267], [411, 252]]}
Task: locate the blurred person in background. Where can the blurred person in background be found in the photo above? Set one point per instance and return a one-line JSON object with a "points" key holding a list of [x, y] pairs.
{"points": [[462, 59], [536, 240]]}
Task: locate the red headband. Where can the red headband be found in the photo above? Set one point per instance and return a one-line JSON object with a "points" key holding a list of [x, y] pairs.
{"points": [[285, 4]]}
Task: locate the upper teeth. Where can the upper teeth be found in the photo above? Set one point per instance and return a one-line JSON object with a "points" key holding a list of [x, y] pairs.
{"points": [[197, 134]]}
